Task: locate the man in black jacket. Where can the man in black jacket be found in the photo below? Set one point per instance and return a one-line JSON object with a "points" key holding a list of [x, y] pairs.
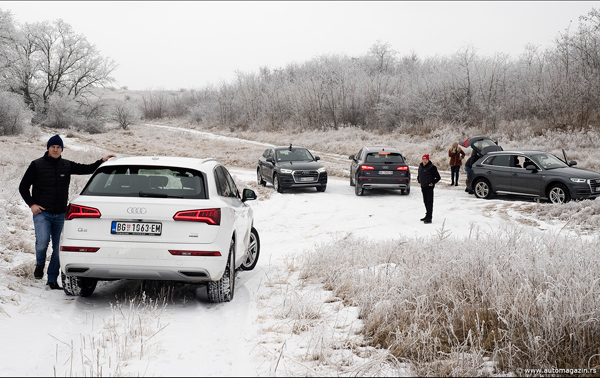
{"points": [[427, 177], [50, 177]]}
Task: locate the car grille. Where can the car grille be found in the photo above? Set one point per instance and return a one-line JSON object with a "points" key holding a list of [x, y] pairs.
{"points": [[304, 176], [594, 184]]}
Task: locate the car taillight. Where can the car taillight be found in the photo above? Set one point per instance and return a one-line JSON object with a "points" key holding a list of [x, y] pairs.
{"points": [[209, 216], [403, 168], [76, 211], [366, 167], [194, 253], [78, 249]]}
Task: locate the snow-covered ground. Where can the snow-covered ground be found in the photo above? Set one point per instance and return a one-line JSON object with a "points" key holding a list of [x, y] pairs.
{"points": [[119, 331]]}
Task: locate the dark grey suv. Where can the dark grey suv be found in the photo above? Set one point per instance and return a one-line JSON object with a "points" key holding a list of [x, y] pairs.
{"points": [[291, 167], [379, 168], [534, 174]]}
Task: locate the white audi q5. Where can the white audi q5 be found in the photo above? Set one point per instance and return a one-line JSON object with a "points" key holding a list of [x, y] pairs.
{"points": [[159, 218]]}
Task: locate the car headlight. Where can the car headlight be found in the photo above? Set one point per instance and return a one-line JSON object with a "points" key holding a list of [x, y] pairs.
{"points": [[579, 180], [322, 170], [287, 171]]}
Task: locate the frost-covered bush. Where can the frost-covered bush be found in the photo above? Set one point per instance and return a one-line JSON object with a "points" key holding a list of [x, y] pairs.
{"points": [[518, 297], [61, 112], [125, 114], [14, 114]]}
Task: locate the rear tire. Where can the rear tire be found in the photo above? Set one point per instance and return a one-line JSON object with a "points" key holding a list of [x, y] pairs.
{"points": [[405, 191], [558, 194], [222, 290], [358, 189], [78, 286], [351, 181], [482, 189], [253, 251]]}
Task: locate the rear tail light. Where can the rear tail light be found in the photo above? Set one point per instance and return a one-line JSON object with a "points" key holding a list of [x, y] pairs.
{"points": [[208, 216], [366, 167], [78, 249], [76, 211], [194, 253], [403, 168]]}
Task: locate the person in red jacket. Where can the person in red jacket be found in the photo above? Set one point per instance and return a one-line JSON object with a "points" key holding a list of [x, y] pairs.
{"points": [[48, 178], [427, 177]]}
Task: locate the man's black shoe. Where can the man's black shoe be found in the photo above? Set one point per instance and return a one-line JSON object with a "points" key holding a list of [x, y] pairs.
{"points": [[427, 221], [423, 219], [54, 285], [39, 272]]}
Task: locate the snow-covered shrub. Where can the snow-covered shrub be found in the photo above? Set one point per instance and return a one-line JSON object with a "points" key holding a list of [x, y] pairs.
{"points": [[14, 114], [61, 112]]}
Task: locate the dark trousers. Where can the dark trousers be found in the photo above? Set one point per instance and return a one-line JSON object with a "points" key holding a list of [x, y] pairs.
{"points": [[428, 200], [454, 170]]}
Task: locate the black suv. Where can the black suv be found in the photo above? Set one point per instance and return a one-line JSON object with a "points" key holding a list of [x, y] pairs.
{"points": [[291, 167], [534, 174], [379, 167]]}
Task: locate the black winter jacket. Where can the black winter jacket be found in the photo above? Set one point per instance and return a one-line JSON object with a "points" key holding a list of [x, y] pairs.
{"points": [[428, 174], [50, 179]]}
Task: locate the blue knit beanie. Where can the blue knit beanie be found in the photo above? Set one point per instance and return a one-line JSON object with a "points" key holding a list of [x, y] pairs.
{"points": [[55, 141]]}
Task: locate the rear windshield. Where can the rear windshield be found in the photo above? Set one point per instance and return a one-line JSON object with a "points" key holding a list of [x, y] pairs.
{"points": [[146, 181], [384, 158]]}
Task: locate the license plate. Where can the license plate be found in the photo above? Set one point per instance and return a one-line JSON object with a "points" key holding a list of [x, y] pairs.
{"points": [[307, 179], [136, 228], [597, 189], [385, 172]]}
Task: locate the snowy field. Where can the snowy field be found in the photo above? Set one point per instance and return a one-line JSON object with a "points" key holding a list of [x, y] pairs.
{"points": [[267, 330]]}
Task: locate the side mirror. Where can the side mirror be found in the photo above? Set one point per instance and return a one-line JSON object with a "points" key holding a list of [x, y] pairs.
{"points": [[572, 163], [270, 160], [531, 168], [248, 194], [351, 157], [317, 158]]}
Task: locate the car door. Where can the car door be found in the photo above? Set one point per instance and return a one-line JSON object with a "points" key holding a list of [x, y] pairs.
{"points": [[524, 181], [241, 211], [355, 161], [265, 167], [498, 171]]}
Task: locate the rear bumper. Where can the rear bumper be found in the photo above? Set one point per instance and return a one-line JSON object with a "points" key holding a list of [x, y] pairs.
{"points": [[134, 272], [370, 185], [384, 183], [149, 261]]}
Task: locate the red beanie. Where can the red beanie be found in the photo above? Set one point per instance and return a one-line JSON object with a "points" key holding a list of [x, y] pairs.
{"points": [[425, 157]]}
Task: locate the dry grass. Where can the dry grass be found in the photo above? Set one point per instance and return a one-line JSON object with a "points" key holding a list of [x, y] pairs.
{"points": [[517, 298]]}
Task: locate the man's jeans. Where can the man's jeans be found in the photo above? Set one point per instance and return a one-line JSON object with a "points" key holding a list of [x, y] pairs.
{"points": [[48, 226]]}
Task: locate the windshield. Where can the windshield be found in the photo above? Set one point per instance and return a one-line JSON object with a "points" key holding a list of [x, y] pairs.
{"points": [[548, 161], [144, 181], [295, 154]]}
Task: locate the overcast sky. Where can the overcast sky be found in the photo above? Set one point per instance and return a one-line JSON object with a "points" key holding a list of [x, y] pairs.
{"points": [[190, 44]]}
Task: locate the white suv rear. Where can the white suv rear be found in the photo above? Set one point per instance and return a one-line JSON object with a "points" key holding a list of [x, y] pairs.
{"points": [[159, 218]]}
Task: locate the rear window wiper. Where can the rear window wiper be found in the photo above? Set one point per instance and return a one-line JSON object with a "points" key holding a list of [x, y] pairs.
{"points": [[157, 195]]}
